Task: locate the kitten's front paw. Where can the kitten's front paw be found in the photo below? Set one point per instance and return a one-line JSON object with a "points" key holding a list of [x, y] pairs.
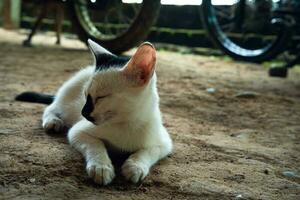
{"points": [[53, 124], [102, 174], [134, 171]]}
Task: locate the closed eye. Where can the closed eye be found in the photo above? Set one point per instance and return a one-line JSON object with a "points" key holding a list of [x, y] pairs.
{"points": [[101, 97]]}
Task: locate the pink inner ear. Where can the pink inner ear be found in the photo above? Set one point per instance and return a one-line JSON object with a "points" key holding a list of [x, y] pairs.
{"points": [[142, 64]]}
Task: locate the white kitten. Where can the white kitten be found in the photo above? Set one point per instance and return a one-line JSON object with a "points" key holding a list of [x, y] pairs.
{"points": [[114, 102]]}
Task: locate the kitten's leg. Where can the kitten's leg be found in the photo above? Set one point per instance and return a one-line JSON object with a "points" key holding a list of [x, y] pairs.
{"points": [[137, 166], [98, 163], [69, 100], [52, 121]]}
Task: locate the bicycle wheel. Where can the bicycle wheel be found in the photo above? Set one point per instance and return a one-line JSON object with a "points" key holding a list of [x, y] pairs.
{"points": [[246, 30], [116, 25]]}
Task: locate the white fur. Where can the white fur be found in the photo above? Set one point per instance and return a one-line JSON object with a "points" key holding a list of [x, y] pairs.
{"points": [[129, 119]]}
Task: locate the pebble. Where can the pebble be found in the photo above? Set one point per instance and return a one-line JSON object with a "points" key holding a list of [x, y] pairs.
{"points": [[246, 94], [236, 177], [5, 131], [143, 189], [211, 90], [290, 174], [32, 180]]}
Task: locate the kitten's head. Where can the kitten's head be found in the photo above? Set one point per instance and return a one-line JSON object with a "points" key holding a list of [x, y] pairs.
{"points": [[119, 85]]}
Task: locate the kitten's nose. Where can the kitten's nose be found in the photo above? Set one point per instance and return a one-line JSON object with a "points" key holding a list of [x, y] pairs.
{"points": [[88, 109]]}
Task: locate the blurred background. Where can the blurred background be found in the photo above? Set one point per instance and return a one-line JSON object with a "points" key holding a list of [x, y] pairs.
{"points": [[178, 22], [249, 30]]}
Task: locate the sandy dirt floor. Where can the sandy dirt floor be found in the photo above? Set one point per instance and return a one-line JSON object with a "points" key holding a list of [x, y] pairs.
{"points": [[225, 147]]}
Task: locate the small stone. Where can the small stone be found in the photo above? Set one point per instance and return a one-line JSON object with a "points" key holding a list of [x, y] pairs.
{"points": [[210, 90], [32, 180], [290, 174], [246, 94], [5, 131], [143, 189], [236, 177], [238, 196]]}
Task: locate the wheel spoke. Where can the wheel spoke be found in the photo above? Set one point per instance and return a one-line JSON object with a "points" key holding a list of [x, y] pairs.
{"points": [[227, 27], [223, 13], [114, 18]]}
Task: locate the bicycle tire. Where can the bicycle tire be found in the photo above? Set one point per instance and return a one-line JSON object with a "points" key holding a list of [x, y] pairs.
{"points": [[219, 38], [137, 31]]}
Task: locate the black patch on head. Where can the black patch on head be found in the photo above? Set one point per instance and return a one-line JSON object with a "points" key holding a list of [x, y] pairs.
{"points": [[88, 109], [106, 61]]}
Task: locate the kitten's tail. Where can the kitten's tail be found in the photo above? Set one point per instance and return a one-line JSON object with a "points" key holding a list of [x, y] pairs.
{"points": [[35, 97]]}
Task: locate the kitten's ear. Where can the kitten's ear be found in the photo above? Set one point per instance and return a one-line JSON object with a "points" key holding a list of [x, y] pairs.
{"points": [[141, 66], [98, 52], [96, 49]]}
